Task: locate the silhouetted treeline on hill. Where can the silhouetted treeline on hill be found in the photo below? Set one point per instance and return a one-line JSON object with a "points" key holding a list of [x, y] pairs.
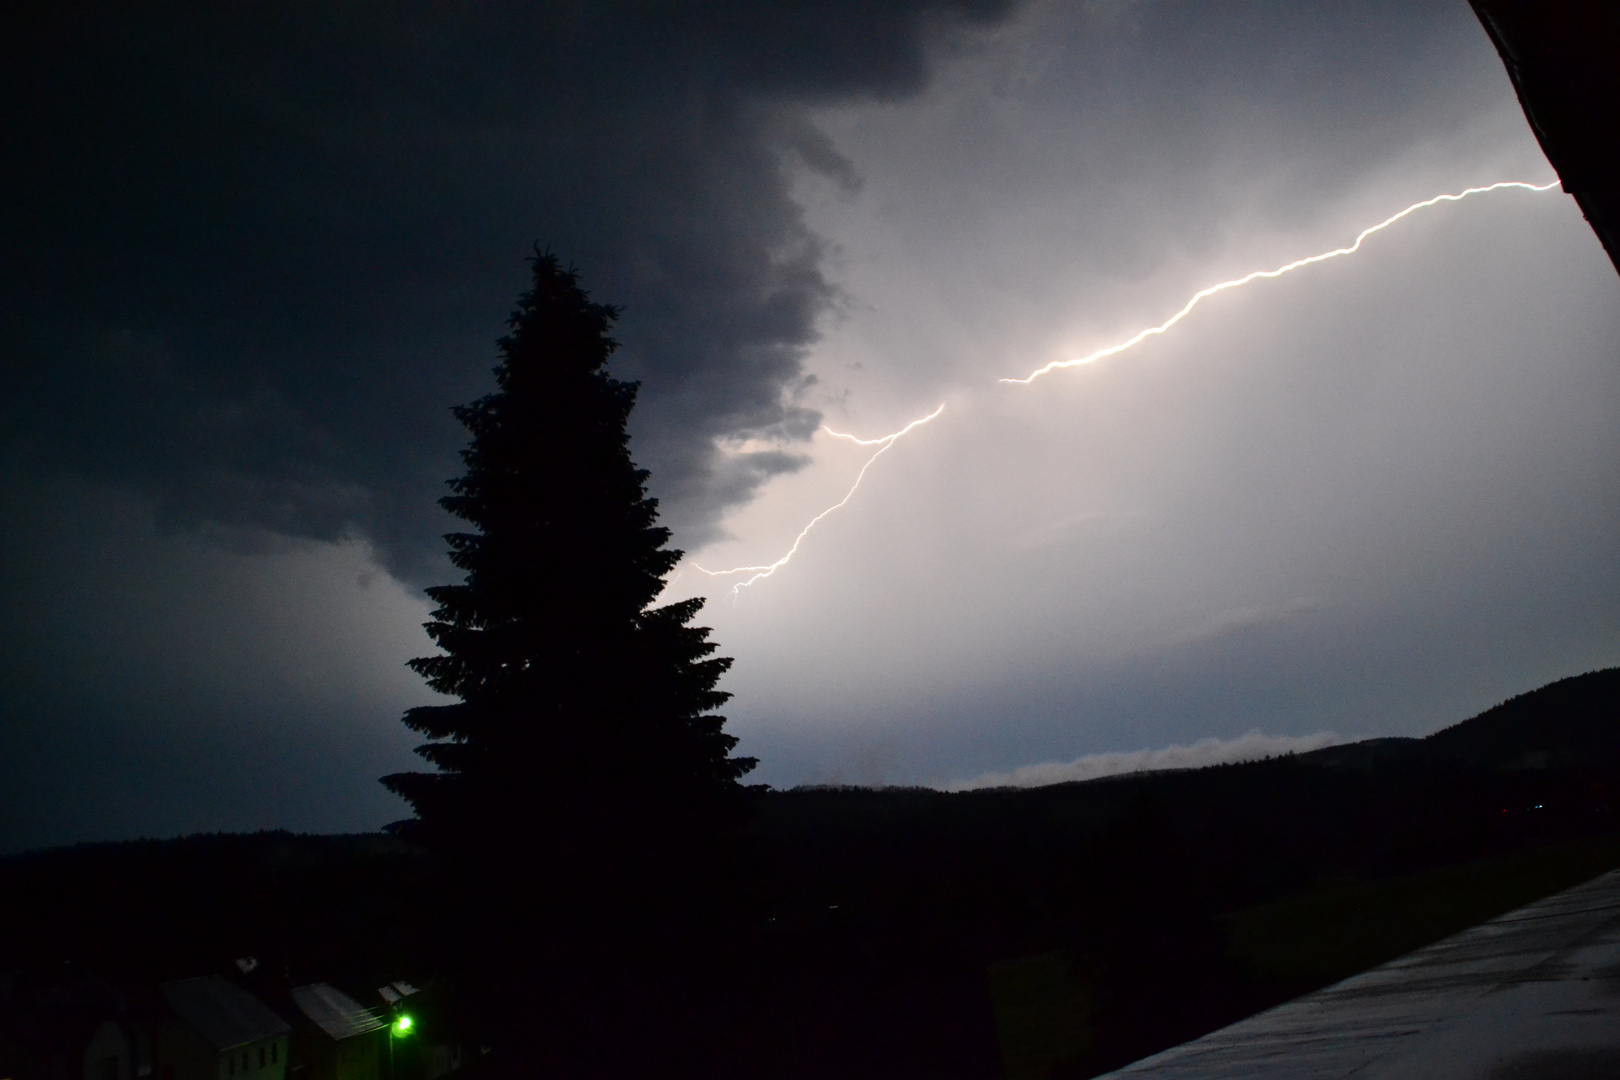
{"points": [[1057, 931], [1574, 722]]}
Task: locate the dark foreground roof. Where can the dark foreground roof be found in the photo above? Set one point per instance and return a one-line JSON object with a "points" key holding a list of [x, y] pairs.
{"points": [[222, 1012], [1564, 59], [335, 1012], [1532, 995]]}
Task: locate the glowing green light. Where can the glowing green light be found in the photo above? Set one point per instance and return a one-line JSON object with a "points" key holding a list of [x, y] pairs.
{"points": [[402, 1025]]}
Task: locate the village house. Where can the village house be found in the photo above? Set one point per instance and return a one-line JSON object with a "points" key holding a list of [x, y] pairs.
{"points": [[215, 1030], [335, 1037]]}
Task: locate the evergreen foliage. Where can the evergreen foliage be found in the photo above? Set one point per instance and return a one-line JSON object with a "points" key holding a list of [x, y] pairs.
{"points": [[586, 801]]}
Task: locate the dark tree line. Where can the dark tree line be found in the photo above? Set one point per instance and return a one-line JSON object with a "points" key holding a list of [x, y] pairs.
{"points": [[915, 933]]}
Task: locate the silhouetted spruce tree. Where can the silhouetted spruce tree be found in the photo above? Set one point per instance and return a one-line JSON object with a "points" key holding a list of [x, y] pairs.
{"points": [[586, 802]]}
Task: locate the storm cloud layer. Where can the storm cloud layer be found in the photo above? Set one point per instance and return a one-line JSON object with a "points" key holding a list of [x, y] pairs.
{"points": [[253, 252]]}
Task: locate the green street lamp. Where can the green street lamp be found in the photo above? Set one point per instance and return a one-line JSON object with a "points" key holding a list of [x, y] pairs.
{"points": [[397, 1030]]}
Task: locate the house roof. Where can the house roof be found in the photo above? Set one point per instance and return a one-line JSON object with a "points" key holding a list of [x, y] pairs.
{"points": [[396, 992], [335, 1012], [1527, 994], [222, 1012]]}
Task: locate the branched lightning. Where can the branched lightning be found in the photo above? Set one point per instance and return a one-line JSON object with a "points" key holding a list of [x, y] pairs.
{"points": [[883, 444], [1114, 350]]}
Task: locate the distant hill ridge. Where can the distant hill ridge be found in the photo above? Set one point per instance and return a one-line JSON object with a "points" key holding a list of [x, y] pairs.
{"points": [[1571, 723]]}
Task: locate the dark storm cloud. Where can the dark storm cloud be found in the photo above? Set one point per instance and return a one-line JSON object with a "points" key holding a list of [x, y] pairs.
{"points": [[252, 251]]}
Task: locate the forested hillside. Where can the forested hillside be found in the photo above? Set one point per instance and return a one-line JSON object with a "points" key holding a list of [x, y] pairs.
{"points": [[912, 932]]}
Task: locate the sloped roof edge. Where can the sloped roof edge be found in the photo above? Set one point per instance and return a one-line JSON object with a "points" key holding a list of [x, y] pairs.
{"points": [[335, 1012], [223, 1013]]}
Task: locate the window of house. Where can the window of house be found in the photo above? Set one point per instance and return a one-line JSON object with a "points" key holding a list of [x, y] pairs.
{"points": [[273, 1048], [261, 1057]]}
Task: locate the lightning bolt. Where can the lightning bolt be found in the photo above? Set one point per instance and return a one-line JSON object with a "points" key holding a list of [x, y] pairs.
{"points": [[883, 444], [1297, 264]]}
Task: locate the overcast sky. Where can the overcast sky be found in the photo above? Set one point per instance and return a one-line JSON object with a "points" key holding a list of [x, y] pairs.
{"points": [[252, 254]]}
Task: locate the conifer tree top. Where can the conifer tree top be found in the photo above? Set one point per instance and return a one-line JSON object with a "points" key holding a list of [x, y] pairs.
{"points": [[551, 640]]}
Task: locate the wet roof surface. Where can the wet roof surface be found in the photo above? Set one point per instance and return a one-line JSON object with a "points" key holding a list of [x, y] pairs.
{"points": [[222, 1012], [335, 1012], [1533, 994]]}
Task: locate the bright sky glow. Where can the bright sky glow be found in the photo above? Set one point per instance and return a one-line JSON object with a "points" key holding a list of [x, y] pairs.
{"points": [[885, 442]]}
